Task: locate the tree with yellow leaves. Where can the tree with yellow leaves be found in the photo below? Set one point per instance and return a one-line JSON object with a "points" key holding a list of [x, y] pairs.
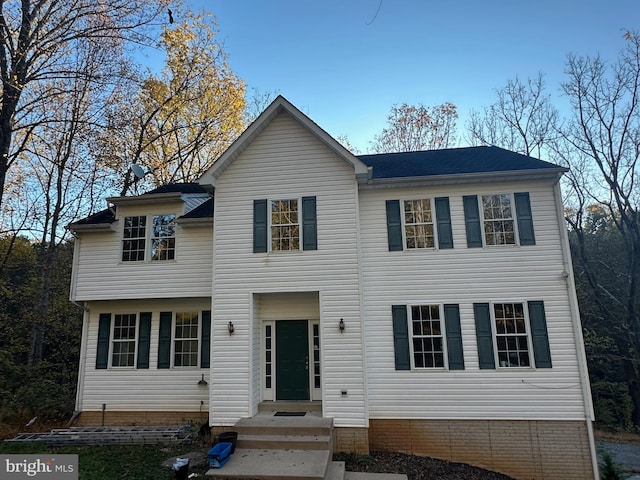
{"points": [[179, 121]]}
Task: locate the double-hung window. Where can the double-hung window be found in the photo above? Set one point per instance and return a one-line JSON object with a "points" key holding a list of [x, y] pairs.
{"points": [[123, 348], [285, 225], [186, 339], [498, 220], [133, 238], [512, 340], [418, 224], [427, 334], [140, 243], [163, 238], [427, 337]]}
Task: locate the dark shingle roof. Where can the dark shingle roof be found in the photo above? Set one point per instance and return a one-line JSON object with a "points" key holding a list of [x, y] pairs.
{"points": [[450, 162], [102, 217], [178, 188], [205, 210]]}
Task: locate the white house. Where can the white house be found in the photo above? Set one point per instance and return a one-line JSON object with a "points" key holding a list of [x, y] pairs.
{"points": [[425, 299]]}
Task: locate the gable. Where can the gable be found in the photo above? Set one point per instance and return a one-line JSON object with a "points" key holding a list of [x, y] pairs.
{"points": [[279, 106]]}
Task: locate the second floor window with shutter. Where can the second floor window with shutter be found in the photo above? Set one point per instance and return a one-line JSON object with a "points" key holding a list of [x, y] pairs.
{"points": [[498, 220], [285, 225], [418, 224]]}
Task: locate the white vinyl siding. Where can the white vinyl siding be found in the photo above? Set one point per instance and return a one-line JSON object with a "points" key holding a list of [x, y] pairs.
{"points": [[147, 389], [286, 161], [465, 276], [100, 275]]}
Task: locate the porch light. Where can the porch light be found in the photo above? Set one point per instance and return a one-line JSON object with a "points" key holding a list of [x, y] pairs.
{"points": [[202, 381], [230, 328], [341, 325]]}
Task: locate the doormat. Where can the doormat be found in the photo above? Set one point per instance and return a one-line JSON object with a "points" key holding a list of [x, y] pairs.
{"points": [[290, 414]]}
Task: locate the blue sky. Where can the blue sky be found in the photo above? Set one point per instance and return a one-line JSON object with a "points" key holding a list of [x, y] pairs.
{"points": [[345, 68]]}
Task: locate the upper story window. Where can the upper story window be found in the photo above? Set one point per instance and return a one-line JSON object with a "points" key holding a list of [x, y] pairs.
{"points": [[498, 219], [285, 225], [418, 224], [163, 238], [123, 348], [498, 223], [133, 238], [160, 238]]}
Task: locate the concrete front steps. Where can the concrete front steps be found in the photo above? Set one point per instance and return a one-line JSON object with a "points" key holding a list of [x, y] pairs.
{"points": [[283, 447]]}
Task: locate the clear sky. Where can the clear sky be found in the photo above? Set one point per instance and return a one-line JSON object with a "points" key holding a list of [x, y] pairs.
{"points": [[345, 66]]}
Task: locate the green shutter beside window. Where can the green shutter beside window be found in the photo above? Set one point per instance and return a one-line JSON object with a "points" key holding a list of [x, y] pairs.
{"points": [[539, 335], [472, 221], [484, 335], [205, 345], [104, 330], [164, 340], [144, 340], [443, 218], [260, 226], [525, 219], [394, 225], [454, 337], [401, 337], [309, 224]]}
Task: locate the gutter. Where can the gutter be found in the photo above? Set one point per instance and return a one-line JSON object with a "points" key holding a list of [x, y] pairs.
{"points": [[577, 327], [463, 178]]}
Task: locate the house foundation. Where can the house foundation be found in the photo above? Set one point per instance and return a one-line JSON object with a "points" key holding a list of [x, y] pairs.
{"points": [[523, 449]]}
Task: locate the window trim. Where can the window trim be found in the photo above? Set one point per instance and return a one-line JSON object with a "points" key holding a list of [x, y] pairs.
{"points": [[514, 220], [443, 336], [149, 238], [494, 335], [434, 224], [174, 317], [112, 341], [298, 201]]}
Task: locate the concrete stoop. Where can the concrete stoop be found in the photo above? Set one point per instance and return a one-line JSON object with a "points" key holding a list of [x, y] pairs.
{"points": [[273, 447]]}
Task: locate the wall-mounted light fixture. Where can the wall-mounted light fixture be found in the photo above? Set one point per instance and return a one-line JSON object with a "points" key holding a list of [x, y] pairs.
{"points": [[341, 325], [202, 381], [230, 328]]}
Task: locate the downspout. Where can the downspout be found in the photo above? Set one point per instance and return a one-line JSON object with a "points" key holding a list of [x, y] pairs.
{"points": [[577, 326]]}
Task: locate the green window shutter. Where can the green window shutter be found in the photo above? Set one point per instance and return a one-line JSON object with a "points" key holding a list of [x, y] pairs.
{"points": [[472, 221], [309, 224], [260, 226], [484, 335], [104, 330], [144, 340], [394, 225], [205, 344], [525, 219], [401, 337], [164, 341], [443, 218], [539, 335], [454, 337]]}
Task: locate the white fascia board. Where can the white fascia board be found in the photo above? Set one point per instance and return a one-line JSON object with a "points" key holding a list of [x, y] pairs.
{"points": [[194, 222], [92, 227], [278, 106], [466, 178], [145, 198]]}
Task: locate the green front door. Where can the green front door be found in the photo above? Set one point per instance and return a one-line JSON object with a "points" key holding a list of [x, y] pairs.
{"points": [[292, 360]]}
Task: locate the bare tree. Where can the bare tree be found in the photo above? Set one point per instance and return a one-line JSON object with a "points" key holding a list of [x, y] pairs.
{"points": [[522, 119], [603, 145], [38, 39], [416, 127]]}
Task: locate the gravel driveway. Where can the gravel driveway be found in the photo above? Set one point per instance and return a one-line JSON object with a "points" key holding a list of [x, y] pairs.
{"points": [[626, 454]]}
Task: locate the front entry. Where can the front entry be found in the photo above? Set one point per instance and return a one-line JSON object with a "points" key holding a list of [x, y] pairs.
{"points": [[292, 360]]}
